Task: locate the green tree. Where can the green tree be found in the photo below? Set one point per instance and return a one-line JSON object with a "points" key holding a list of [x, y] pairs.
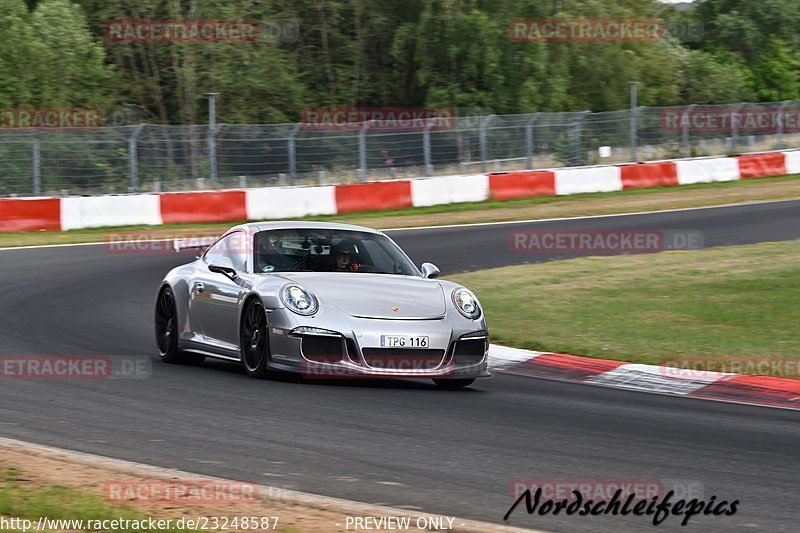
{"points": [[746, 27], [16, 40], [777, 75], [67, 66], [258, 81], [711, 79]]}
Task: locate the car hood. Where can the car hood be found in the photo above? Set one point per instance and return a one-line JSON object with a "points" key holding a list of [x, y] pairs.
{"points": [[376, 295]]}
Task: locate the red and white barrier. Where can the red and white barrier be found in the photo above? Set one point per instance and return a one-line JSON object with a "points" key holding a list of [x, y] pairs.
{"points": [[32, 214], [762, 165], [588, 179], [209, 206], [707, 170], [522, 184], [100, 211], [792, 162], [290, 202], [449, 190], [373, 196], [641, 175]]}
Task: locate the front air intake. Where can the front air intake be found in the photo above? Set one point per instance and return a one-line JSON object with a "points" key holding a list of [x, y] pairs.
{"points": [[322, 349], [469, 351]]}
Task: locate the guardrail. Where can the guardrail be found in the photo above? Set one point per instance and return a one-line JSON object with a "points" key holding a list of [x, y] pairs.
{"points": [[161, 158]]}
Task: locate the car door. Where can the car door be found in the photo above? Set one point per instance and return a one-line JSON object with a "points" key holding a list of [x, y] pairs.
{"points": [[216, 297]]}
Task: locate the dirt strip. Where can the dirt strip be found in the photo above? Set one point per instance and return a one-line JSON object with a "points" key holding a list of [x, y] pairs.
{"points": [[135, 485]]}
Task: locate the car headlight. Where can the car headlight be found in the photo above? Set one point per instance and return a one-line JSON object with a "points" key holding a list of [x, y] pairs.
{"points": [[466, 303], [299, 300]]}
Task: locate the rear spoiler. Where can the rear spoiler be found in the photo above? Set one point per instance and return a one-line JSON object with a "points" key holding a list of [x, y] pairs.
{"points": [[193, 243]]}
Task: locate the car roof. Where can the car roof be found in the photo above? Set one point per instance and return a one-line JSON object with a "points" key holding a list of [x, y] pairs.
{"points": [[297, 224]]}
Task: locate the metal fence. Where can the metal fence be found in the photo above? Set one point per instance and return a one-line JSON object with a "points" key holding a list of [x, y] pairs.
{"points": [[150, 157]]}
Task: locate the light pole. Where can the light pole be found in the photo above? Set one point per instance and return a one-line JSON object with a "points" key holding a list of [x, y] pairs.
{"points": [[212, 138], [634, 119]]}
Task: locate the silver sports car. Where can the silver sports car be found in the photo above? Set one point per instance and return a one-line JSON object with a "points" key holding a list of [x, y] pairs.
{"points": [[325, 300]]}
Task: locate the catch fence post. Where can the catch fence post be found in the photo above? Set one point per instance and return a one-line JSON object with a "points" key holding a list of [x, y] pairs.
{"points": [[482, 136], [293, 153], [133, 165], [37, 165], [687, 148], [529, 146]]}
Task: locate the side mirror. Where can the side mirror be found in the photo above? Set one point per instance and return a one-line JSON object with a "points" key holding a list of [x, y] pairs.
{"points": [[429, 270], [223, 265]]}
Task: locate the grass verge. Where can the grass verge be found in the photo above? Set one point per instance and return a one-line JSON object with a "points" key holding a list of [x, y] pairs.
{"points": [[729, 302], [702, 194], [60, 503], [40, 482]]}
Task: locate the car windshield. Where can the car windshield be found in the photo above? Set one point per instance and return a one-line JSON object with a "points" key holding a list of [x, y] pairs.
{"points": [[314, 250]]}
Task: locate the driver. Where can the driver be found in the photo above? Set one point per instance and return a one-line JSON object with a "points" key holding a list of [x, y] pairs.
{"points": [[344, 258]]}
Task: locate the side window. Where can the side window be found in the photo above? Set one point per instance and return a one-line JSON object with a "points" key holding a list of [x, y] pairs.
{"points": [[214, 252], [233, 246], [237, 250]]}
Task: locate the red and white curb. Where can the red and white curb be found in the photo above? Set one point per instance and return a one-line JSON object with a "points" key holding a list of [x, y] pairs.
{"points": [[736, 388]]}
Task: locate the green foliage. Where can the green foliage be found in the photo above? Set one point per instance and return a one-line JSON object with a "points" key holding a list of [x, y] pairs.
{"points": [[50, 59], [747, 26], [777, 75], [402, 53], [711, 79], [760, 34], [15, 49], [69, 68]]}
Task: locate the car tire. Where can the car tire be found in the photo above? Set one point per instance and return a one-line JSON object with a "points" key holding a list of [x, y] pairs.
{"points": [[454, 383], [166, 321], [254, 340]]}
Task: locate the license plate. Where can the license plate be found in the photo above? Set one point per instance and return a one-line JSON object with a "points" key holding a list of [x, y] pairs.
{"points": [[405, 341]]}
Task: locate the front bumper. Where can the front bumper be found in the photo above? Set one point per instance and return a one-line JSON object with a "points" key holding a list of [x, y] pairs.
{"points": [[351, 348]]}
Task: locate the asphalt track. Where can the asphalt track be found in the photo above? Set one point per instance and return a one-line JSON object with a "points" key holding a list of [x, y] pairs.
{"points": [[404, 444]]}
